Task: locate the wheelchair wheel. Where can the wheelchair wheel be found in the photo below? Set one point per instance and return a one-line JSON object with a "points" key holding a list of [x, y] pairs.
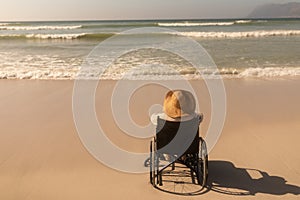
{"points": [[202, 168], [152, 164]]}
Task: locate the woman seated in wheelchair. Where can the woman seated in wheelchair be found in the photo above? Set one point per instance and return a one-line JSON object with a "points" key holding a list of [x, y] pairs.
{"points": [[177, 138], [179, 106]]}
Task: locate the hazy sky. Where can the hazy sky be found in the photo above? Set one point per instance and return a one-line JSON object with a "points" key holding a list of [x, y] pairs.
{"points": [[126, 9]]}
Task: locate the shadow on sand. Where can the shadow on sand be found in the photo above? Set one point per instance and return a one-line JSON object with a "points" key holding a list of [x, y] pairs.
{"points": [[225, 178]]}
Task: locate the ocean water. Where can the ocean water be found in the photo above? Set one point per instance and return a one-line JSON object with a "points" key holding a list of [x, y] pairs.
{"points": [[240, 48]]}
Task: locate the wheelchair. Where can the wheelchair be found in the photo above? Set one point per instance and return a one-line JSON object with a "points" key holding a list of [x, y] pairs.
{"points": [[178, 156]]}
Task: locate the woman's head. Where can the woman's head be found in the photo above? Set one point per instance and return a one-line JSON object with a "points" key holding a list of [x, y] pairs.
{"points": [[179, 103]]}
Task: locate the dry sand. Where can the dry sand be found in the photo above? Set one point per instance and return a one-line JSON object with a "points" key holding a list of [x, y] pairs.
{"points": [[42, 157]]}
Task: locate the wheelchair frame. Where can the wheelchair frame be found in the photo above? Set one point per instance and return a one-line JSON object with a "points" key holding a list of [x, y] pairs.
{"points": [[195, 157]]}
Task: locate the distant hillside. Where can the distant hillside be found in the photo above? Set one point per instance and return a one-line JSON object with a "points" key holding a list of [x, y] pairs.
{"points": [[277, 11]]}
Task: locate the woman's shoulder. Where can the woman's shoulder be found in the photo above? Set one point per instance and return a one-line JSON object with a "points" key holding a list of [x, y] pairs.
{"points": [[166, 117], [192, 116], [154, 117]]}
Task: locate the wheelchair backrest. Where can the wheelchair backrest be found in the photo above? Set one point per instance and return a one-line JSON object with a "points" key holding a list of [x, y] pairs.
{"points": [[177, 138]]}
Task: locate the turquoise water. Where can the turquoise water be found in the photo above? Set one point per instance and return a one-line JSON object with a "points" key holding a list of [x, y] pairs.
{"points": [[240, 47]]}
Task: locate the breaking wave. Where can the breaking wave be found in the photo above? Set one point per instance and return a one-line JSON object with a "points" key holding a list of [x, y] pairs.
{"points": [[241, 34], [231, 35], [196, 24], [32, 28], [57, 36], [72, 73], [228, 23]]}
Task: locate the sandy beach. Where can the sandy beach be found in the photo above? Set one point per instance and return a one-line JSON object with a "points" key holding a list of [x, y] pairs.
{"points": [[42, 157]]}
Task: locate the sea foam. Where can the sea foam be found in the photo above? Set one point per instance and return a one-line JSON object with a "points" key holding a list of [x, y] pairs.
{"points": [[31, 28], [212, 35], [55, 36], [229, 23], [74, 73], [263, 33], [196, 24]]}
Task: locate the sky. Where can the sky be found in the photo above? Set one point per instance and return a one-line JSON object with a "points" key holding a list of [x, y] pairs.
{"points": [[39, 10]]}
